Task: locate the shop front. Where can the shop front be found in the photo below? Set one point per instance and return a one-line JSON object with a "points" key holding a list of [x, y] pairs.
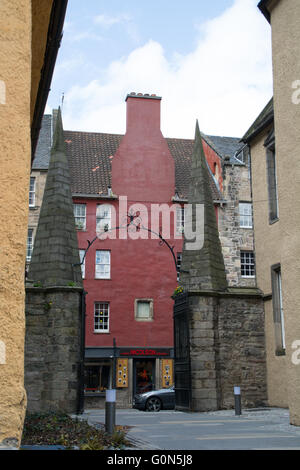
{"points": [[129, 370]]}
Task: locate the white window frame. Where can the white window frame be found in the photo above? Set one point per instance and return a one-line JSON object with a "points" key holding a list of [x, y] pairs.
{"points": [[80, 216], [81, 256], [101, 312], [136, 309], [107, 272], [245, 212], [103, 217], [29, 246], [179, 261], [180, 220], [248, 264], [32, 191]]}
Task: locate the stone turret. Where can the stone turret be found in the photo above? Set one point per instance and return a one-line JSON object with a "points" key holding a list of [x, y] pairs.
{"points": [[203, 267], [219, 340], [55, 257], [54, 345]]}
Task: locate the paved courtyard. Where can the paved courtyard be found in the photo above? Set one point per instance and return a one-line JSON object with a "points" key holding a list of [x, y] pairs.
{"points": [[259, 429]]}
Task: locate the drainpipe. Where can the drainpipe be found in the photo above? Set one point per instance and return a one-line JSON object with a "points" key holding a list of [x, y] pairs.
{"points": [[80, 393]]}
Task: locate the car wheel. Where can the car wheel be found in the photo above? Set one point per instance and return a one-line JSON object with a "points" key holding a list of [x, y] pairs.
{"points": [[153, 404]]}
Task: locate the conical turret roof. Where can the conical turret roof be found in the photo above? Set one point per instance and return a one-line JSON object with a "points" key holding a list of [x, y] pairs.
{"points": [[55, 257], [202, 259]]}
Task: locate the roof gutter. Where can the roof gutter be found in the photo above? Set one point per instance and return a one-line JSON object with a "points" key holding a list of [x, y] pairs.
{"points": [[54, 38], [263, 6], [266, 122]]}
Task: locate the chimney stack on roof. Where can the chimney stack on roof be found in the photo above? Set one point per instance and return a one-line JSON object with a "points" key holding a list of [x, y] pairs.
{"points": [[143, 113]]}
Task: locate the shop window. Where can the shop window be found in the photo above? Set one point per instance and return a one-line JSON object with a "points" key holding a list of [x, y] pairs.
{"points": [[96, 378]]}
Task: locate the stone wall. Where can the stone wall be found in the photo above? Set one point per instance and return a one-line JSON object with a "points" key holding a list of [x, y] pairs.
{"points": [[227, 349], [234, 238], [52, 348]]}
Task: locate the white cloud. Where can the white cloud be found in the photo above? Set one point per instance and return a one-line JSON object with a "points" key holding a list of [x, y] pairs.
{"points": [[108, 21], [224, 82]]}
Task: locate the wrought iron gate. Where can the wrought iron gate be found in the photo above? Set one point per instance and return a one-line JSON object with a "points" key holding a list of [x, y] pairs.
{"points": [[182, 367]]}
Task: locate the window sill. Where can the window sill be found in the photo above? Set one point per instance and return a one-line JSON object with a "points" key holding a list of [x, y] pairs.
{"points": [[273, 221], [99, 332], [102, 278], [144, 319], [94, 394]]}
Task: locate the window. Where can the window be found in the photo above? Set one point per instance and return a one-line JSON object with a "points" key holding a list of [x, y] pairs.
{"points": [[80, 216], [244, 155], [179, 260], [271, 177], [245, 209], [102, 264], [32, 192], [278, 309], [247, 264], [82, 258], [144, 309], [179, 220], [29, 244], [96, 377], [103, 218], [101, 317]]}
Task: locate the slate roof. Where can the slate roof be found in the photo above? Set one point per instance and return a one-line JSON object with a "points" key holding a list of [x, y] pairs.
{"points": [[43, 149], [225, 146]]}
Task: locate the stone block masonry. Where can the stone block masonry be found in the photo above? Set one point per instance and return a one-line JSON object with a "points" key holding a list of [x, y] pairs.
{"points": [[227, 349], [52, 348]]}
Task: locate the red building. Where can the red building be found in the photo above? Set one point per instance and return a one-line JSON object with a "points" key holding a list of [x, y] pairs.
{"points": [[129, 276]]}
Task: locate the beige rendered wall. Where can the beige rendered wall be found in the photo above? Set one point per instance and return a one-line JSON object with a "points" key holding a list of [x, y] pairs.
{"points": [[22, 34], [268, 245], [285, 22], [15, 74]]}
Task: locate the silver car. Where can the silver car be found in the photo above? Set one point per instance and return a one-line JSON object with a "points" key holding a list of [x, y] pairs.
{"points": [[156, 400]]}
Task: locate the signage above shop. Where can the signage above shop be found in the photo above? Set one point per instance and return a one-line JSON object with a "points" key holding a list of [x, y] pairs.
{"points": [[149, 352]]}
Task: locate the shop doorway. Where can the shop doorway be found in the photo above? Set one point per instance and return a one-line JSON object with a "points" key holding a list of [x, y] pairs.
{"points": [[143, 375]]}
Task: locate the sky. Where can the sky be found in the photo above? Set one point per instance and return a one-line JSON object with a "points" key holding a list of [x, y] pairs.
{"points": [[209, 60]]}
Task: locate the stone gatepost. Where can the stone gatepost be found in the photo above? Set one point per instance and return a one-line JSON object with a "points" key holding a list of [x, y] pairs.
{"points": [[226, 325], [54, 345]]}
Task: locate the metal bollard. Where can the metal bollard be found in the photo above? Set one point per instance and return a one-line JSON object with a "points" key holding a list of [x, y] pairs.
{"points": [[110, 411], [237, 401]]}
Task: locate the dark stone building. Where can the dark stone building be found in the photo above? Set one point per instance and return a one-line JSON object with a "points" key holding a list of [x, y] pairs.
{"points": [[219, 330]]}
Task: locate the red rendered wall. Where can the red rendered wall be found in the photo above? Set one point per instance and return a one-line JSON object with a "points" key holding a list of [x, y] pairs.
{"points": [[143, 170]]}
